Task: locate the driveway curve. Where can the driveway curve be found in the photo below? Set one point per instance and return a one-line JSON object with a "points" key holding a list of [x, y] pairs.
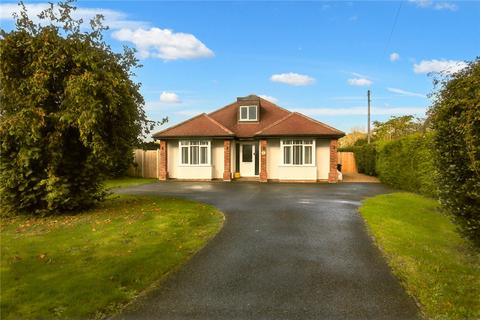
{"points": [[287, 251]]}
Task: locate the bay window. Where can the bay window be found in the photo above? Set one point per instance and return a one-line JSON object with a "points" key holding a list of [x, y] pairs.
{"points": [[298, 152], [194, 152]]}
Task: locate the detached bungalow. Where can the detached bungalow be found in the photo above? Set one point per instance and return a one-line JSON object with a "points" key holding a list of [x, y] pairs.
{"points": [[253, 138]]}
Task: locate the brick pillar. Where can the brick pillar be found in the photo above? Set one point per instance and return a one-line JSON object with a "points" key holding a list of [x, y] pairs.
{"points": [[263, 161], [333, 175], [227, 172], [162, 161]]}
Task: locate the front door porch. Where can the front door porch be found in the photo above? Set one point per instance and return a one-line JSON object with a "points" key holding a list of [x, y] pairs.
{"points": [[247, 159]]}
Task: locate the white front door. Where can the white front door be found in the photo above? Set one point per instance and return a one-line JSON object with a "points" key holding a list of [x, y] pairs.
{"points": [[247, 160]]}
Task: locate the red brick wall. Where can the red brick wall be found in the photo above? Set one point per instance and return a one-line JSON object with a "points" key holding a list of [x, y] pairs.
{"points": [[162, 161], [333, 175], [263, 161], [227, 172]]}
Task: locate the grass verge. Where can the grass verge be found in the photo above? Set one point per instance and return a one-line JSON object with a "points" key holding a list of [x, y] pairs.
{"points": [[127, 182], [90, 264], [436, 266]]}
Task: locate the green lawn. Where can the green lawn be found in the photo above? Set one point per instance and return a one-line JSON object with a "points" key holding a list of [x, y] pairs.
{"points": [[127, 182], [90, 264], [436, 266]]}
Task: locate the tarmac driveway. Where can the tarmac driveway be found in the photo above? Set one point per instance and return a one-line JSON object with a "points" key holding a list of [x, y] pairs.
{"points": [[287, 251]]}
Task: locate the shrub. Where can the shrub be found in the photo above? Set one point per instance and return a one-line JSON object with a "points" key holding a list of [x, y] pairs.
{"points": [[407, 163], [345, 149], [70, 113], [455, 116], [365, 157]]}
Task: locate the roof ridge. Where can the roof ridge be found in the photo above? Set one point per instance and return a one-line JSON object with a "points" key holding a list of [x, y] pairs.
{"points": [[219, 124], [178, 124], [319, 122], [275, 123]]}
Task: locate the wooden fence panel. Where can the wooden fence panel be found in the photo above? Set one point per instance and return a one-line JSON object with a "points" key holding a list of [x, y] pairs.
{"points": [[137, 170], [150, 164], [347, 160]]}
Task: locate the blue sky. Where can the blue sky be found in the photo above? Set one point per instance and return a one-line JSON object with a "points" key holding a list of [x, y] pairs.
{"points": [[319, 58]]}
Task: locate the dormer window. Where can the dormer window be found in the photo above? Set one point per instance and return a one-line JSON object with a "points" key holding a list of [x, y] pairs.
{"points": [[248, 113]]}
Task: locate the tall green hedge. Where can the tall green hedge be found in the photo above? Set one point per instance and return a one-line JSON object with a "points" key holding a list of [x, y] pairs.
{"points": [[365, 157], [407, 163], [455, 118]]}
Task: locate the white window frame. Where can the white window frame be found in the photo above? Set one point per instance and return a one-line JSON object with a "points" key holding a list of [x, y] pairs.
{"points": [[248, 113], [194, 143], [283, 144]]}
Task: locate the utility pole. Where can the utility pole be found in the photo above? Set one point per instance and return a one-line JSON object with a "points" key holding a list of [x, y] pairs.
{"points": [[368, 133]]}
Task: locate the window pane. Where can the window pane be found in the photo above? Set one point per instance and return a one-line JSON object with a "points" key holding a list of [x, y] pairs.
{"points": [[184, 155], [286, 155], [203, 155], [307, 141], [243, 113], [184, 143], [194, 143], [308, 154], [297, 154], [247, 153], [252, 113], [194, 155], [204, 143]]}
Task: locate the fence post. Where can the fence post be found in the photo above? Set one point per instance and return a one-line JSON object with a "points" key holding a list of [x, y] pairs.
{"points": [[143, 163]]}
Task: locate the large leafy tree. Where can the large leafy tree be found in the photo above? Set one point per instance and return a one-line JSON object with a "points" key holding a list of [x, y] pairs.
{"points": [[455, 117], [70, 112]]}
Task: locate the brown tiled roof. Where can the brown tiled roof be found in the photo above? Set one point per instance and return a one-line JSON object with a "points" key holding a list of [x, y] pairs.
{"points": [[298, 124], [274, 121], [198, 126], [228, 116]]}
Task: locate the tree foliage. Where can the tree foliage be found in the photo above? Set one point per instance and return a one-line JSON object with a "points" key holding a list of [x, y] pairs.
{"points": [[70, 112], [396, 127], [351, 138], [455, 117]]}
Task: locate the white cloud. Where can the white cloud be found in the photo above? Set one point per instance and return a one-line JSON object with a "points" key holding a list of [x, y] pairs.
{"points": [[164, 43], [437, 5], [360, 111], [293, 79], [445, 6], [394, 56], [112, 18], [443, 66], [406, 93], [150, 42], [169, 97], [359, 82], [269, 98]]}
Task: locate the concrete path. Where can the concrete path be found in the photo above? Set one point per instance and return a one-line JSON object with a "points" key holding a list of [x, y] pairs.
{"points": [[359, 177], [287, 251]]}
